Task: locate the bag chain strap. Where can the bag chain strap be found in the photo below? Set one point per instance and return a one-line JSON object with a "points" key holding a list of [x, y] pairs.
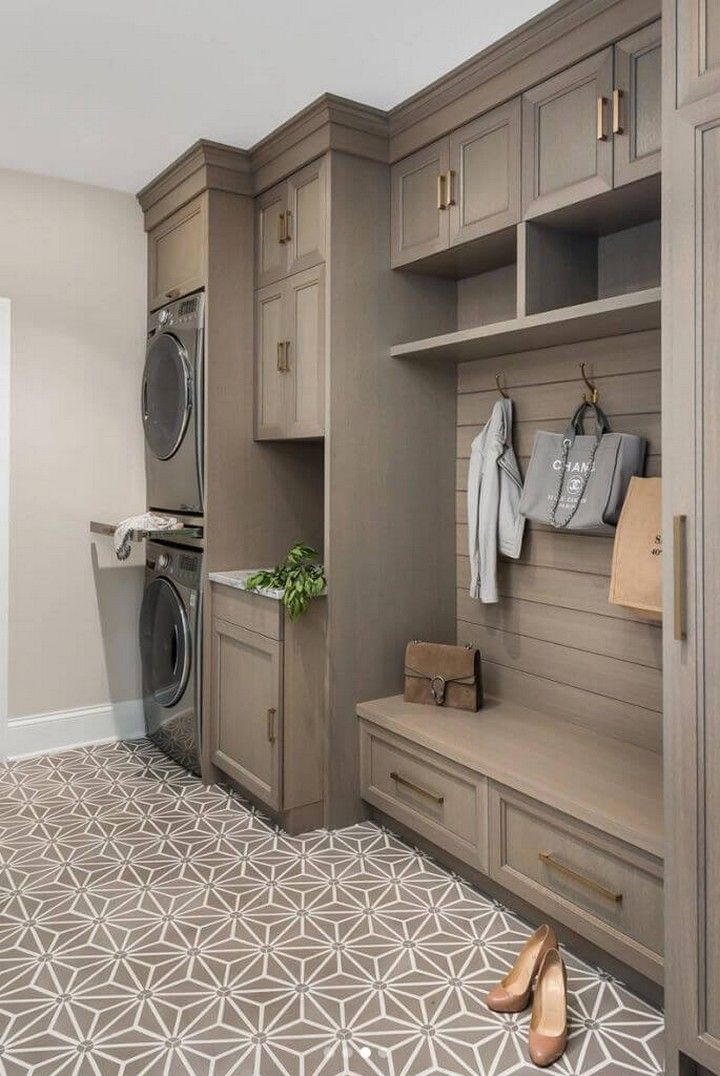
{"points": [[566, 452]]}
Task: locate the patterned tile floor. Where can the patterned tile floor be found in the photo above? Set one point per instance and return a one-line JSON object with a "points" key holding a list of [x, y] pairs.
{"points": [[153, 927]]}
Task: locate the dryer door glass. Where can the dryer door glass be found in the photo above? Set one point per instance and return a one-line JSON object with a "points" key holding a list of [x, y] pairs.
{"points": [[164, 643], [166, 395]]}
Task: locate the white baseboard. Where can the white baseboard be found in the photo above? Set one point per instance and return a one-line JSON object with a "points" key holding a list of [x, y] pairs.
{"points": [[41, 734]]}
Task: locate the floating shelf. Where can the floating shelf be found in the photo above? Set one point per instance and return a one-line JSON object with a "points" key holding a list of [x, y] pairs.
{"points": [[630, 313]]}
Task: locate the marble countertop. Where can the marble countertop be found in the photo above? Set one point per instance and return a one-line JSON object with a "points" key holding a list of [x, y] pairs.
{"points": [[239, 579]]}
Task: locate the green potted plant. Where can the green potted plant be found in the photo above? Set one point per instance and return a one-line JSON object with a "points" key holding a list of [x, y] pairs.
{"points": [[300, 577]]}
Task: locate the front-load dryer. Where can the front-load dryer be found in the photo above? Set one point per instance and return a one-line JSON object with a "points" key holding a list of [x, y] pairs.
{"points": [[172, 406], [170, 650]]}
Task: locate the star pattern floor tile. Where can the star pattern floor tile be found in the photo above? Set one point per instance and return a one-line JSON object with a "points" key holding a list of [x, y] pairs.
{"points": [[150, 926]]}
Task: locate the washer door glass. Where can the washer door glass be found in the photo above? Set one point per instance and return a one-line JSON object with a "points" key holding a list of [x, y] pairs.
{"points": [[164, 643], [166, 395]]}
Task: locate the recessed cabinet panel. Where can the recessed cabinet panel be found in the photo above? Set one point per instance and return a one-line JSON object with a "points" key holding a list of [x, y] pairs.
{"points": [[485, 168], [420, 222], [270, 250], [567, 139], [637, 105], [698, 45], [270, 343], [305, 227], [176, 255], [306, 359], [248, 708]]}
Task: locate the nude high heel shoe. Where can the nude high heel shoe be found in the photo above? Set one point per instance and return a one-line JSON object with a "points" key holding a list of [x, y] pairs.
{"points": [[548, 1033], [513, 993]]}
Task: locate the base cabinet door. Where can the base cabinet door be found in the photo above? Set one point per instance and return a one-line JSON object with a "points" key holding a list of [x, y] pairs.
{"points": [[567, 143], [485, 174], [637, 105], [421, 196], [247, 704]]}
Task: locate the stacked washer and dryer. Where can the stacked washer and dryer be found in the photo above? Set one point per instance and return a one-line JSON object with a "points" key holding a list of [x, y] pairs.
{"points": [[171, 614]]}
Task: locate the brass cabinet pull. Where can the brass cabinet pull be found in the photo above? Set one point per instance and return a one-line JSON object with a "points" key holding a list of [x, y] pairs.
{"points": [[601, 102], [680, 578], [417, 788], [271, 724], [286, 365], [288, 218], [549, 859], [281, 228], [281, 356], [450, 187], [616, 124], [441, 200]]}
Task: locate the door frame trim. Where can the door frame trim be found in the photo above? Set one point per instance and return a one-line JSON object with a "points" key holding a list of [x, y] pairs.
{"points": [[5, 362]]}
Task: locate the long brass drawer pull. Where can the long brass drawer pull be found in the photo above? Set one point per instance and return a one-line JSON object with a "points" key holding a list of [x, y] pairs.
{"points": [[680, 578], [281, 227], [281, 356], [601, 102], [549, 859], [271, 724], [417, 788], [617, 124], [441, 199], [450, 187], [288, 218]]}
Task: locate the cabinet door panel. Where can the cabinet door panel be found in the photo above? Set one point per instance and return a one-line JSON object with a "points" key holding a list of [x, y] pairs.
{"points": [[247, 698], [270, 380], [306, 223], [698, 49], [638, 75], [271, 257], [485, 157], [176, 254], [565, 161], [305, 380], [419, 226]]}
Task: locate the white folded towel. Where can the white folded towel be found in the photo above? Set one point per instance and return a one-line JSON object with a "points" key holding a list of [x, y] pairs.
{"points": [[148, 521]]}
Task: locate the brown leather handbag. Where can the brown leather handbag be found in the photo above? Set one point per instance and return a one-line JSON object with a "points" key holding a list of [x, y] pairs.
{"points": [[443, 675]]}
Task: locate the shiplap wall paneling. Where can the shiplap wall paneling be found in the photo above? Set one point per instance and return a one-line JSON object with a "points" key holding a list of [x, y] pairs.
{"points": [[554, 637]]}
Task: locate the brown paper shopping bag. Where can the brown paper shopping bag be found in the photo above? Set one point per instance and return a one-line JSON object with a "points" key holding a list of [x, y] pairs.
{"points": [[636, 578]]}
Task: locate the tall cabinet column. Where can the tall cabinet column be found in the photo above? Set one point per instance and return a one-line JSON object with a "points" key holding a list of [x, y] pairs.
{"points": [[691, 528]]}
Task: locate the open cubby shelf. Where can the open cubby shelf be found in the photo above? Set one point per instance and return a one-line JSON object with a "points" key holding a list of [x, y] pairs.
{"points": [[612, 316]]}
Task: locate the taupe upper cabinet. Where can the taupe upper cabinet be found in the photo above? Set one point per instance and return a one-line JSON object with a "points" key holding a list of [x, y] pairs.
{"points": [[459, 188], [290, 225], [637, 105], [567, 151], [177, 254], [290, 358]]}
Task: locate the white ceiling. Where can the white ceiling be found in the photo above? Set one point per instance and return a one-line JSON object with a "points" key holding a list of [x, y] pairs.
{"points": [[110, 93]]}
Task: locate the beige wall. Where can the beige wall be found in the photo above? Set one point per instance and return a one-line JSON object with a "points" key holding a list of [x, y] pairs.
{"points": [[72, 262]]}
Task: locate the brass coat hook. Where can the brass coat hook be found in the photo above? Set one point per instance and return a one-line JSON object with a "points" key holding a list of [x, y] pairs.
{"points": [[594, 392], [500, 389]]}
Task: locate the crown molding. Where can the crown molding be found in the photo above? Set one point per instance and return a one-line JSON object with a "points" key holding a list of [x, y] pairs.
{"points": [[329, 123], [555, 39], [205, 166]]}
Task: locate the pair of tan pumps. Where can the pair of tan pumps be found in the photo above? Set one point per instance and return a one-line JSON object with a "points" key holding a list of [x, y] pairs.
{"points": [[539, 962]]}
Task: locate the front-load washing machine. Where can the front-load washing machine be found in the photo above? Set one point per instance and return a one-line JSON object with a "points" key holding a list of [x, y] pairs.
{"points": [[170, 650], [172, 406]]}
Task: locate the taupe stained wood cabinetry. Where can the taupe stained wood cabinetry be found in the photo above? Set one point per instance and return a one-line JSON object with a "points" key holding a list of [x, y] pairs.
{"points": [[594, 126], [291, 225], [177, 254], [267, 701], [691, 519], [290, 357], [460, 188]]}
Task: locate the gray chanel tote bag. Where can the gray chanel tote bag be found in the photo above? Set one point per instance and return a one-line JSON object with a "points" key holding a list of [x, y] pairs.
{"points": [[578, 481]]}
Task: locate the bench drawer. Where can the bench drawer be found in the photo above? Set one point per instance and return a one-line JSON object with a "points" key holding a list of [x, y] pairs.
{"points": [[606, 890], [434, 797]]}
